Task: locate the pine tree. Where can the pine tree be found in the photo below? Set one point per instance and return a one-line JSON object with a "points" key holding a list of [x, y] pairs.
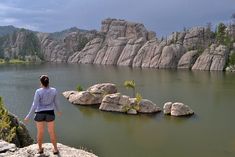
{"points": [[7, 133]]}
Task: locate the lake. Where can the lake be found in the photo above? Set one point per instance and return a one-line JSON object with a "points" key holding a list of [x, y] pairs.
{"points": [[210, 132]]}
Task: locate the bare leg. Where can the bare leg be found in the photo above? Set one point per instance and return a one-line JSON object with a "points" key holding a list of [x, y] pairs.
{"points": [[51, 131], [40, 133]]}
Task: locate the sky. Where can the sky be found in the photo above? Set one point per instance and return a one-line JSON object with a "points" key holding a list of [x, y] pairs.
{"points": [[160, 16]]}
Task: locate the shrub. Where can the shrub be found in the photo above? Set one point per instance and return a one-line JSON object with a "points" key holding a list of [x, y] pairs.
{"points": [[232, 59], [79, 88], [130, 84], [7, 133]]}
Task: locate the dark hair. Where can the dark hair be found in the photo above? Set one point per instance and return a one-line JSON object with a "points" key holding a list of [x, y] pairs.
{"points": [[44, 79]]}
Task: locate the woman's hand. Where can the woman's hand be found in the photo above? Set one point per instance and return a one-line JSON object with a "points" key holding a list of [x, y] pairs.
{"points": [[59, 113], [26, 120]]}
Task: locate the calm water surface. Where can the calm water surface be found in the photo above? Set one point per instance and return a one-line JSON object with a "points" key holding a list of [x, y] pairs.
{"points": [[208, 133]]}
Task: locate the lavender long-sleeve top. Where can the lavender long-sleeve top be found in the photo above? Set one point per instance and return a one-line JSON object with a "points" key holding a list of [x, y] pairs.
{"points": [[44, 99]]}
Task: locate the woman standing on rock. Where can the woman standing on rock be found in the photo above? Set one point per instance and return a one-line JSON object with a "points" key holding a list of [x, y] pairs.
{"points": [[44, 103]]}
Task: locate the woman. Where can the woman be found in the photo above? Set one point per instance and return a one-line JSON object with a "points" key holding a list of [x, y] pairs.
{"points": [[44, 103]]}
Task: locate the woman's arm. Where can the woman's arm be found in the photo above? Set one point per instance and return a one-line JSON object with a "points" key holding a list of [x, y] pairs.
{"points": [[57, 104], [34, 105]]}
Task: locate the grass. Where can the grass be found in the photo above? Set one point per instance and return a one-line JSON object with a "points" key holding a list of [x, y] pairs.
{"points": [[14, 61]]}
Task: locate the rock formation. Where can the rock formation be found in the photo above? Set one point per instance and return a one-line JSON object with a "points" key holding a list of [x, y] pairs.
{"points": [[123, 43], [105, 94], [22, 137], [10, 150], [92, 96], [177, 109], [213, 58], [188, 59]]}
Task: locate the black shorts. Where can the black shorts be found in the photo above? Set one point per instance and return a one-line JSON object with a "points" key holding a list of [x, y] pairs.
{"points": [[44, 116]]}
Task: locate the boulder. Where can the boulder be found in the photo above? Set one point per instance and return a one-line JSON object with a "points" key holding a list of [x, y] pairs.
{"points": [[67, 94], [6, 147], [85, 98], [147, 106], [92, 96], [188, 59], [10, 150], [132, 111], [177, 109], [103, 88], [115, 102], [167, 108]]}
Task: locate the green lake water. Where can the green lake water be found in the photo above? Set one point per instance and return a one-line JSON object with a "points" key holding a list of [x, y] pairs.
{"points": [[208, 133]]}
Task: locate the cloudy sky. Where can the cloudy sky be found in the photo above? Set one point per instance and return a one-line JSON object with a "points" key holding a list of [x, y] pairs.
{"points": [[161, 16]]}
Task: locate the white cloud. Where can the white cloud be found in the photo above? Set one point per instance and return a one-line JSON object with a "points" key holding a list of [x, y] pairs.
{"points": [[30, 27], [9, 20]]}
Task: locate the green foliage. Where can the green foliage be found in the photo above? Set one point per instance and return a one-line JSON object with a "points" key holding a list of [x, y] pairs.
{"points": [[130, 84], [82, 43], [2, 40], [138, 98], [220, 32], [222, 37], [7, 60], [31, 45], [232, 59], [79, 88], [7, 132]]}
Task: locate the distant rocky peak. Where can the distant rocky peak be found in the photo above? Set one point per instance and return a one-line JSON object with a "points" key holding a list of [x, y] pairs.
{"points": [[115, 28]]}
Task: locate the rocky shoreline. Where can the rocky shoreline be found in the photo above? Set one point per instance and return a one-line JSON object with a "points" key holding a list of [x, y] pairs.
{"points": [[10, 150], [125, 43]]}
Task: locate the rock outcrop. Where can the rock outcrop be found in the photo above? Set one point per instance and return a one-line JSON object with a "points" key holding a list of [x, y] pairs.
{"points": [[213, 58], [92, 96], [188, 59], [177, 109], [10, 150], [123, 43], [22, 137]]}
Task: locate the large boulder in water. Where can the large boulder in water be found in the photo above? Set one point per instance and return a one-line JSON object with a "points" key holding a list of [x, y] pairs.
{"points": [[147, 106], [93, 95], [103, 88], [122, 103], [177, 109], [115, 102]]}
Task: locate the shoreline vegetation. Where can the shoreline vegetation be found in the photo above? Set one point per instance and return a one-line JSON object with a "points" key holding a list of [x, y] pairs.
{"points": [[14, 61]]}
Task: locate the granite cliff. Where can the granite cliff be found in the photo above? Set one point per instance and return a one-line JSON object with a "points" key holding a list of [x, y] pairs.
{"points": [[124, 43]]}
